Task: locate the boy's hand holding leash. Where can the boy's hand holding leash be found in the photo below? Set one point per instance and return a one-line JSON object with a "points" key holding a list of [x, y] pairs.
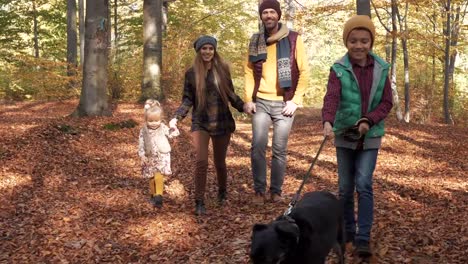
{"points": [[328, 130]]}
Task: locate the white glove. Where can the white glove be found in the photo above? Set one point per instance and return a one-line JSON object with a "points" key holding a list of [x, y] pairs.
{"points": [[173, 122]]}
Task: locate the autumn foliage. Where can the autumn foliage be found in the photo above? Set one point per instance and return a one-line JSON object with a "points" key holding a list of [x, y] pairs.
{"points": [[71, 191]]}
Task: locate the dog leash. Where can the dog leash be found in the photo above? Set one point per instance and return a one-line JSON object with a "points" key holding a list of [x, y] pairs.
{"points": [[304, 180]]}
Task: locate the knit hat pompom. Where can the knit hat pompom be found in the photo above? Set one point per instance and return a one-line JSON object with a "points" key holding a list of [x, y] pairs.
{"points": [[358, 21], [202, 40], [273, 4]]}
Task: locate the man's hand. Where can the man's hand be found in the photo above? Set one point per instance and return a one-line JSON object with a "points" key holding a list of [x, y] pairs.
{"points": [[250, 108], [289, 109], [328, 130], [173, 123]]}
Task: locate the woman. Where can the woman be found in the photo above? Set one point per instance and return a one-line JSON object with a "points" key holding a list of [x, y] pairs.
{"points": [[208, 89]]}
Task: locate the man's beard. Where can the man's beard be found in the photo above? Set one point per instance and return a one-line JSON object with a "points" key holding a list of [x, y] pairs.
{"points": [[271, 25]]}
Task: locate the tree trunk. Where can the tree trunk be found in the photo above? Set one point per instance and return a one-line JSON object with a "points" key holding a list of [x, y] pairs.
{"points": [[36, 31], [71, 38], [404, 46], [388, 41], [260, 23], [363, 7], [93, 100], [447, 31], [455, 30], [290, 11], [109, 27], [432, 86], [393, 78], [152, 50], [116, 36], [81, 23], [165, 10]]}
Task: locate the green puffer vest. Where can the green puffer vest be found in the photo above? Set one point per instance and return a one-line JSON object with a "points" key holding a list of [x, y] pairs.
{"points": [[349, 110]]}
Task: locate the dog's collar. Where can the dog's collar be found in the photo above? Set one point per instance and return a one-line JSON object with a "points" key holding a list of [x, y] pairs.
{"points": [[289, 219], [292, 222]]}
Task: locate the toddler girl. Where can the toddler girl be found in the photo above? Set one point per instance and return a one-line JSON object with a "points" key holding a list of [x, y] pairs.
{"points": [[155, 151]]}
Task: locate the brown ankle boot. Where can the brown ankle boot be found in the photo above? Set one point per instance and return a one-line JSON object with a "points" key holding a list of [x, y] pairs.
{"points": [[259, 198], [276, 198], [222, 194], [199, 207]]}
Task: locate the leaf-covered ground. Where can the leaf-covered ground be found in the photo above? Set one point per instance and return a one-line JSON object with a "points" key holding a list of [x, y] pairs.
{"points": [[71, 192]]}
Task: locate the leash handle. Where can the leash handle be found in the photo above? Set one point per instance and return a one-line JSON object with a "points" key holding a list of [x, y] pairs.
{"points": [[304, 180], [292, 204]]}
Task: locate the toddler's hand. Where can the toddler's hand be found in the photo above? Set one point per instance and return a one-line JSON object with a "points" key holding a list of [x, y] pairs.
{"points": [[174, 132]]}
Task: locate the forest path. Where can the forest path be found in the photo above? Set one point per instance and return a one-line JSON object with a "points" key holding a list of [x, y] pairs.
{"points": [[71, 191]]}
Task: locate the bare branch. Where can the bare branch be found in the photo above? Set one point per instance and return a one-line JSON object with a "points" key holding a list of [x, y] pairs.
{"points": [[380, 19]]}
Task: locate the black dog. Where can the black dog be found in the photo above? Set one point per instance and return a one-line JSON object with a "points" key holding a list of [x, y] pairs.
{"points": [[306, 235]]}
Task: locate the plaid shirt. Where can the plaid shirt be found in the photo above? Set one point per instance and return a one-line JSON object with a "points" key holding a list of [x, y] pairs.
{"points": [[216, 118], [364, 77]]}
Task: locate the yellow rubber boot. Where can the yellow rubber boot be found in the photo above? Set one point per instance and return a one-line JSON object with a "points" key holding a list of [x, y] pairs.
{"points": [[159, 183], [152, 186]]}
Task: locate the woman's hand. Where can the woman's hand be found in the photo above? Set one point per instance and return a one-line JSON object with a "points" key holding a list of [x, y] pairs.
{"points": [[173, 123], [250, 108]]}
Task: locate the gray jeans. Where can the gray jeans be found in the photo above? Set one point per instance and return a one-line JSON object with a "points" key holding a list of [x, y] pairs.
{"points": [[269, 112]]}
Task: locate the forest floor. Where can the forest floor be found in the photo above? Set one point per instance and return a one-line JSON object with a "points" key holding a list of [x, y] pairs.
{"points": [[71, 191]]}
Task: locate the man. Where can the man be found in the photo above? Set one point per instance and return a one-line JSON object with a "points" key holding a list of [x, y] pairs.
{"points": [[276, 77]]}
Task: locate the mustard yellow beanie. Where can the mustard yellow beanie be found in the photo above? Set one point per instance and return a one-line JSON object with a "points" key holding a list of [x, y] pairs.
{"points": [[358, 21]]}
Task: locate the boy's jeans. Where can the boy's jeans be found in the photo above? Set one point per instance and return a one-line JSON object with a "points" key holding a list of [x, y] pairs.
{"points": [[355, 169], [269, 112]]}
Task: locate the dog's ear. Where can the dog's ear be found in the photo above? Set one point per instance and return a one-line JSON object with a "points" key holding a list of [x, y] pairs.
{"points": [[287, 230], [259, 227]]}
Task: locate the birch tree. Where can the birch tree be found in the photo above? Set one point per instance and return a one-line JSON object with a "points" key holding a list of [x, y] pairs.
{"points": [[393, 73]]}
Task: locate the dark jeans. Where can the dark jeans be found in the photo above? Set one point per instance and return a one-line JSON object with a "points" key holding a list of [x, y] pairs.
{"points": [[355, 169], [201, 140], [268, 113]]}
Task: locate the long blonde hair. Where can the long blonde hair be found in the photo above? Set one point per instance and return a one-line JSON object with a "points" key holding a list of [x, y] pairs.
{"points": [[222, 77]]}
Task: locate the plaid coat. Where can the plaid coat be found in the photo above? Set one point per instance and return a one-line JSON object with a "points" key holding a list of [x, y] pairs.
{"points": [[216, 118]]}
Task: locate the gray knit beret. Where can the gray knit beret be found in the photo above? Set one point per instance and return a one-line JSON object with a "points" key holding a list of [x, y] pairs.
{"points": [[202, 40]]}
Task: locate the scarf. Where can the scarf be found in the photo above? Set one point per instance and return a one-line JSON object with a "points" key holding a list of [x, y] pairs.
{"points": [[258, 52]]}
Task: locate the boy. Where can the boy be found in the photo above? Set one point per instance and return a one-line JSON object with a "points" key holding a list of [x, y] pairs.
{"points": [[358, 97]]}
